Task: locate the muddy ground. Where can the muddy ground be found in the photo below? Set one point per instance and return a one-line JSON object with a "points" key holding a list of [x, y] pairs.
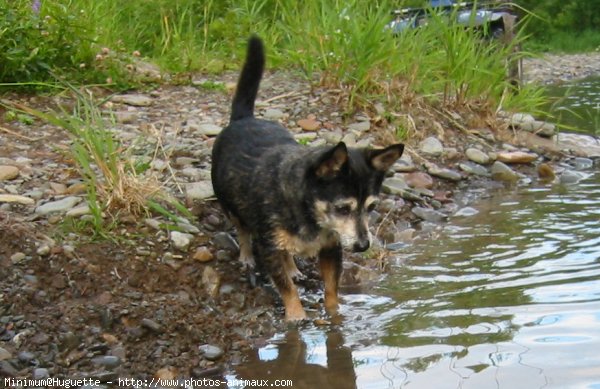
{"points": [[145, 304]]}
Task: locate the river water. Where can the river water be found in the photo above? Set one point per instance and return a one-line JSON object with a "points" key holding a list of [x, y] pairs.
{"points": [[506, 298]]}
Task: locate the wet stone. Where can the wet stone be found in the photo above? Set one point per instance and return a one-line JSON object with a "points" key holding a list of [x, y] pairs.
{"points": [[429, 215], [211, 352], [580, 163], [502, 172], [477, 156], [444, 173], [466, 211], [474, 169], [571, 177]]}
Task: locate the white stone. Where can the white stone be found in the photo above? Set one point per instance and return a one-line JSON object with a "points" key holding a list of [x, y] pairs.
{"points": [[58, 206]]}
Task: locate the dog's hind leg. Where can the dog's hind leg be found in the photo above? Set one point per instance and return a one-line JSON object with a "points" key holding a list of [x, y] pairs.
{"points": [[330, 261], [245, 243], [292, 269]]}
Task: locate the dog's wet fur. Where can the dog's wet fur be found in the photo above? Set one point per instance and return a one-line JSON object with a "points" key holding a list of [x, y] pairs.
{"points": [[286, 199]]}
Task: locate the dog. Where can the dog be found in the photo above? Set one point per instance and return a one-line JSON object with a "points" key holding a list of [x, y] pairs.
{"points": [[286, 199]]}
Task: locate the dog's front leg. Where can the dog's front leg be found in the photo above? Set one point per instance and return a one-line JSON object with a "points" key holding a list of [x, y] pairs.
{"points": [[330, 261], [276, 262]]}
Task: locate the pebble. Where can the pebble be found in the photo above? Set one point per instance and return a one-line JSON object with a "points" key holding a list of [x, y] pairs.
{"points": [[394, 185], [40, 373], [17, 257], [200, 190], [273, 114], [430, 215], [571, 177], [546, 172], [502, 172], [540, 128], [79, 211], [58, 206], [7, 369], [431, 146], [181, 240], [419, 180], [580, 163], [166, 373], [516, 157], [136, 100], [211, 281], [211, 352], [444, 173], [360, 127], [474, 169], [477, 156], [224, 241], [4, 354], [10, 198], [203, 254], [466, 211], [107, 361], [151, 325], [125, 117], [309, 124], [518, 118], [8, 172], [26, 357], [209, 129]]}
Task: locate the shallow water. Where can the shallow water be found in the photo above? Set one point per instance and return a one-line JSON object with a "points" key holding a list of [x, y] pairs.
{"points": [[577, 104], [507, 298]]}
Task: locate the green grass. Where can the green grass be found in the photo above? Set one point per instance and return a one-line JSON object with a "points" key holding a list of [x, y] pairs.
{"points": [[570, 42]]}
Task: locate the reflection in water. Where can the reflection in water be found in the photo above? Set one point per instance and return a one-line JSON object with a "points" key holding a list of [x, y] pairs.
{"points": [[578, 103], [290, 358], [507, 298]]}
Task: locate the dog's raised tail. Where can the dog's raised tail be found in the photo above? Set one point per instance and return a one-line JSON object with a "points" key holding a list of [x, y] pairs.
{"points": [[247, 86]]}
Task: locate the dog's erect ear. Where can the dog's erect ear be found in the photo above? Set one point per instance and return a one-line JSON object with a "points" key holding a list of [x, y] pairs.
{"points": [[332, 161], [383, 159]]}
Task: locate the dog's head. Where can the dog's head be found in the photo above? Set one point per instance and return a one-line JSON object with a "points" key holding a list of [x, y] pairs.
{"points": [[344, 184]]}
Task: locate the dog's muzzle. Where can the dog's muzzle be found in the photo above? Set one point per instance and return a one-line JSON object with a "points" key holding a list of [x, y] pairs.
{"points": [[361, 246]]}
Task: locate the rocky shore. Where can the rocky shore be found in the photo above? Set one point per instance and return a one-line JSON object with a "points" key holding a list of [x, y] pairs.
{"points": [[150, 302]]}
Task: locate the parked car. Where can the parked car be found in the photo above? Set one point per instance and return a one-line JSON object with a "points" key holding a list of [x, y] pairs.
{"points": [[493, 19]]}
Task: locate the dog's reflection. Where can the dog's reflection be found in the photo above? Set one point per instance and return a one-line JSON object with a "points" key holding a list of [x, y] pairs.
{"points": [[295, 362]]}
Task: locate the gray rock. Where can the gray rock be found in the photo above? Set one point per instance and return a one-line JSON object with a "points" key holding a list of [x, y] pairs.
{"points": [[181, 241], [80, 210], [151, 325], [477, 156], [540, 128], [211, 352], [429, 215], [404, 166], [579, 144], [360, 127], [8, 172], [519, 118], [107, 361], [273, 114], [580, 163], [466, 211], [224, 241], [17, 257], [209, 129], [502, 172], [474, 169], [444, 173], [200, 190], [571, 177], [394, 185], [431, 146], [135, 100], [26, 357], [58, 206], [40, 373], [7, 369], [4, 354]]}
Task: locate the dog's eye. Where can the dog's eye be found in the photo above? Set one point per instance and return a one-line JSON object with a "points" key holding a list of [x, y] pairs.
{"points": [[343, 209], [371, 206]]}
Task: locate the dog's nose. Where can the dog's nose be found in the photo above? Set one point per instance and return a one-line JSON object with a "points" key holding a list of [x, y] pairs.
{"points": [[361, 246]]}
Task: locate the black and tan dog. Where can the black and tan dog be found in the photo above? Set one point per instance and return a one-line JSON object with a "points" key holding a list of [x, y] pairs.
{"points": [[287, 199]]}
